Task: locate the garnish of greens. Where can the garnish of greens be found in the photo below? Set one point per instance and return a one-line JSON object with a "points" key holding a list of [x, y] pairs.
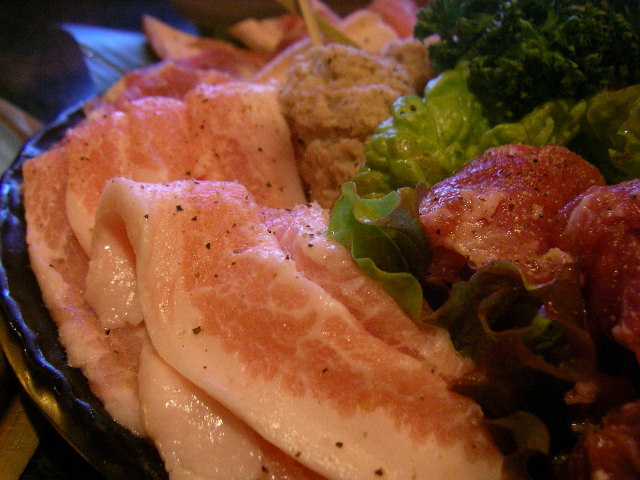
{"points": [[511, 71], [527, 71]]}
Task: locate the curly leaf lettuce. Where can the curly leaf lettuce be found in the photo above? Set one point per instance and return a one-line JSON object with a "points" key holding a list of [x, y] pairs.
{"points": [[426, 138], [497, 305], [610, 134], [429, 138], [386, 239]]}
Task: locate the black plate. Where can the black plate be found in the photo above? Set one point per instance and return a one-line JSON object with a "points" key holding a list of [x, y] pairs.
{"points": [[30, 341]]}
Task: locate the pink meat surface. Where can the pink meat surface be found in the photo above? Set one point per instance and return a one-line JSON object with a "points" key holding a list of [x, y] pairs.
{"points": [[226, 307], [601, 228], [399, 14], [503, 206], [107, 357], [300, 233], [198, 438], [233, 131], [164, 79]]}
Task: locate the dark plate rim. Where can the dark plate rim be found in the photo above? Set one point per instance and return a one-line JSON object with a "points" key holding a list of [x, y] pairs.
{"points": [[29, 338]]}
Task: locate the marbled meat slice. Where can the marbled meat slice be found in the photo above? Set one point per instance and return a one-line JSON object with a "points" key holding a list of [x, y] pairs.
{"points": [[167, 78], [107, 357], [233, 131], [503, 206], [601, 228], [300, 234], [227, 309], [198, 438]]}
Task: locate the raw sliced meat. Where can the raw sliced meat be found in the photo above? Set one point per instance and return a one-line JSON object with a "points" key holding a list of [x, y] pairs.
{"points": [[503, 206], [108, 358], [225, 307], [198, 438], [300, 234], [202, 52], [601, 228], [368, 30], [233, 131], [165, 79], [399, 14]]}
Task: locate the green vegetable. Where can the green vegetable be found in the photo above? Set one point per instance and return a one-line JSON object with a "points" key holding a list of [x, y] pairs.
{"points": [[610, 134], [522, 53], [426, 139], [387, 240]]}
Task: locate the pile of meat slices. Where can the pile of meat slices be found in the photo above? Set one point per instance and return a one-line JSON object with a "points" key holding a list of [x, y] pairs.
{"points": [[186, 269]]}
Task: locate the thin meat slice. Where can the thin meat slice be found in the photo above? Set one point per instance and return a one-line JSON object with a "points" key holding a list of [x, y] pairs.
{"points": [[226, 308], [503, 206], [300, 234], [601, 228], [197, 437], [201, 52], [399, 14], [233, 131], [167, 78], [243, 127], [107, 357]]}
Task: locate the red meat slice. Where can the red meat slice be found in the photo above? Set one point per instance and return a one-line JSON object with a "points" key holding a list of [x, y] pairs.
{"points": [[503, 206], [601, 228]]}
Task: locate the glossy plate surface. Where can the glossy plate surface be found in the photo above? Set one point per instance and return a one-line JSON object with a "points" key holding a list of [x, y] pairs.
{"points": [[30, 340]]}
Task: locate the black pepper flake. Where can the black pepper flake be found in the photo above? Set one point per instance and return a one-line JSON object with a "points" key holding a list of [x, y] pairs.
{"points": [[107, 331], [196, 330], [309, 244], [207, 245], [268, 184], [194, 218], [146, 215], [339, 444], [264, 469], [325, 370], [379, 472], [179, 208]]}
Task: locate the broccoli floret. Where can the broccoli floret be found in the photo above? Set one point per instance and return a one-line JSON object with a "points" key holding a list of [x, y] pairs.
{"points": [[524, 52]]}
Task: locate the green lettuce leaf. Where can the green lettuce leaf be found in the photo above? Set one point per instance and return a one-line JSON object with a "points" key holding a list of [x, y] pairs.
{"points": [[386, 239], [429, 138], [498, 305], [610, 134], [426, 139]]}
